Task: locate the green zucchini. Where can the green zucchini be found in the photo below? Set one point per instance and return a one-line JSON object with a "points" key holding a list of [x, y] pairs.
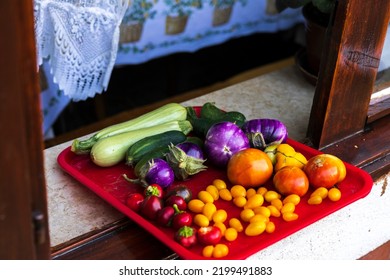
{"points": [[111, 150], [200, 125], [215, 114], [147, 144], [210, 115], [210, 111], [165, 113], [235, 117]]}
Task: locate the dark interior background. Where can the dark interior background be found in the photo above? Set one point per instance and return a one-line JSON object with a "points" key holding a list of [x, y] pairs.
{"points": [[133, 86]]}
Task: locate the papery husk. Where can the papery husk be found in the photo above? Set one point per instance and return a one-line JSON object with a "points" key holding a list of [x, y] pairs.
{"points": [[183, 165]]}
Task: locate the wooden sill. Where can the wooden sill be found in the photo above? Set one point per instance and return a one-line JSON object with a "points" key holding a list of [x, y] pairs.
{"points": [[369, 149], [380, 99], [380, 253]]}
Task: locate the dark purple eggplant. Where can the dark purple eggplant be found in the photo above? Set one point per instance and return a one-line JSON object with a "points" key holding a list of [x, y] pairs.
{"points": [[222, 141], [265, 132], [159, 172], [155, 171]]}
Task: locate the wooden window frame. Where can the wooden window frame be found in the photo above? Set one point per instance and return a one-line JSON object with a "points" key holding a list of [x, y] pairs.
{"points": [[338, 124], [338, 121], [23, 205]]}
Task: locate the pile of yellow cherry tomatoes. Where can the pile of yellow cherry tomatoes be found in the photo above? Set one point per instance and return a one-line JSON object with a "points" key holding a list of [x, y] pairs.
{"points": [[256, 203]]}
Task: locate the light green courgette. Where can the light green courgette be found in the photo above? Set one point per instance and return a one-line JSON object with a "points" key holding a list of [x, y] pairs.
{"points": [[111, 150], [163, 114]]}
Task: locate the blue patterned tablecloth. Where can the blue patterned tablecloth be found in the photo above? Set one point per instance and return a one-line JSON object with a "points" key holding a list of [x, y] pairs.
{"points": [[156, 28]]}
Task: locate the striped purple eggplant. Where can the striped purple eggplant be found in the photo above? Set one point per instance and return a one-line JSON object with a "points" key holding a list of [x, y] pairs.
{"points": [[264, 132]]}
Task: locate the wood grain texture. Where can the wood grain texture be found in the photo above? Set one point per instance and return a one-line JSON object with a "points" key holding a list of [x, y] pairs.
{"points": [[22, 188], [349, 65]]}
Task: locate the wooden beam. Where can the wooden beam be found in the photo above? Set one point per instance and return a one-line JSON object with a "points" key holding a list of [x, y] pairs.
{"points": [[23, 208], [349, 66]]}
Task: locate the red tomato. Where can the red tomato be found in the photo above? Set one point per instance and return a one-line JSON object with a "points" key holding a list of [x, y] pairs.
{"points": [[291, 180], [325, 170], [249, 167]]}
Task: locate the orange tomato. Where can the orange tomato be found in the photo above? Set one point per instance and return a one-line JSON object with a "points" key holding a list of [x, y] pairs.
{"points": [[249, 167], [325, 170], [291, 180]]}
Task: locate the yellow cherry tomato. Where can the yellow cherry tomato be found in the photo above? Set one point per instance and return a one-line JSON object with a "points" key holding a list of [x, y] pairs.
{"points": [[219, 184], [263, 210], [290, 216], [314, 200], [334, 194], [270, 227], [293, 198], [321, 191], [238, 190], [250, 192], [259, 218], [236, 223], [277, 203], [239, 201], [271, 195], [246, 214], [208, 210], [207, 251], [288, 207], [255, 228], [231, 234], [201, 220], [195, 205], [254, 201], [262, 190], [205, 196], [274, 211], [213, 191], [225, 194], [220, 216], [220, 250]]}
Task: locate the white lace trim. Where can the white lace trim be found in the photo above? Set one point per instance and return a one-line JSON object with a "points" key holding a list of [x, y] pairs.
{"points": [[80, 38]]}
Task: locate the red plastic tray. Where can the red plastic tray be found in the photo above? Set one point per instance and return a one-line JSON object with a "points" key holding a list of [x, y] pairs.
{"points": [[109, 184]]}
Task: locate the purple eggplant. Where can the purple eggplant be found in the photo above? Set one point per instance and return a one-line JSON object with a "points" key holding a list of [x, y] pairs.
{"points": [[186, 159], [159, 172], [222, 141], [265, 132], [155, 171], [191, 149]]}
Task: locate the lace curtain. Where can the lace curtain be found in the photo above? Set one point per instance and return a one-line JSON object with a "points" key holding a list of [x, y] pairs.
{"points": [[80, 39]]}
